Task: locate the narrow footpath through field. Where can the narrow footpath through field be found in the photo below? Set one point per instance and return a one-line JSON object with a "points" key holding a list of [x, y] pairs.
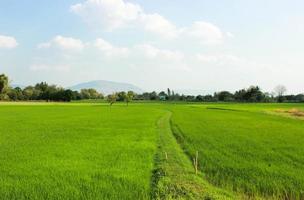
{"points": [[174, 176]]}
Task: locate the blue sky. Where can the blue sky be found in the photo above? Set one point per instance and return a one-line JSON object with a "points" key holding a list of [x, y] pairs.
{"points": [[202, 45]]}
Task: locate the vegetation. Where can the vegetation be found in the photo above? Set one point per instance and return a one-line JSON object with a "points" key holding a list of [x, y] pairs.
{"points": [[93, 152], [174, 176], [245, 149], [45, 92], [150, 151], [75, 151]]}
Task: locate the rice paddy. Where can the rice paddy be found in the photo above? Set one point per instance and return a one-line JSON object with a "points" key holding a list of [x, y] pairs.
{"points": [[146, 151]]}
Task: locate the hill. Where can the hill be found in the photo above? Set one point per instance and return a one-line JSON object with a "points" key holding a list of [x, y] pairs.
{"points": [[107, 87]]}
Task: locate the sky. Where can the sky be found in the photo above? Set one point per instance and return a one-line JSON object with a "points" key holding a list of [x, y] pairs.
{"points": [[198, 45]]}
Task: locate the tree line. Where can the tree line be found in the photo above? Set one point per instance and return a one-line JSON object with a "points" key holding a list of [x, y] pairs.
{"points": [[251, 94], [45, 92]]}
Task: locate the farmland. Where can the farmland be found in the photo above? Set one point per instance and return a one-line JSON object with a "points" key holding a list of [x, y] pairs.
{"points": [[76, 152], [145, 150], [244, 149]]}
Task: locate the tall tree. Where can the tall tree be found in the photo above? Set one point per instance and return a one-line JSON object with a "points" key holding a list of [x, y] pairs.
{"points": [[129, 97], [280, 90], [169, 92], [3, 83], [112, 98], [4, 87]]}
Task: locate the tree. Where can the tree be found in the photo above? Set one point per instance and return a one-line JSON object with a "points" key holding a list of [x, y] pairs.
{"points": [[169, 93], [67, 95], [280, 90], [3, 83], [199, 98], [121, 96], [15, 94], [3, 87], [153, 96], [224, 96], [129, 97], [85, 94], [94, 94], [112, 98]]}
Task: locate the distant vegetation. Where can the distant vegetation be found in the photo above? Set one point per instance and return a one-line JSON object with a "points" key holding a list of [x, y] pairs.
{"points": [[45, 92]]}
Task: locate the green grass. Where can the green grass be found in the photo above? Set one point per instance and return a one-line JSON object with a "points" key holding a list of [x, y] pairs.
{"points": [[91, 151], [76, 152], [244, 149], [174, 176]]}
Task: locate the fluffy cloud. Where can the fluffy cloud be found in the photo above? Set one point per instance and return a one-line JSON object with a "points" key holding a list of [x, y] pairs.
{"points": [[109, 50], [64, 43], [8, 42], [115, 14], [159, 25], [142, 51], [205, 33], [111, 14], [47, 67]]}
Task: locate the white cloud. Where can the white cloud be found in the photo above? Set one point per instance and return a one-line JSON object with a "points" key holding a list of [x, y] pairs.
{"points": [[115, 14], [46, 67], [64, 43], [8, 42], [205, 33], [109, 50], [159, 25], [142, 51], [111, 14]]}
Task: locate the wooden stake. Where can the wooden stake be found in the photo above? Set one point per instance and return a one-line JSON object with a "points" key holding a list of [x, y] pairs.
{"points": [[196, 162]]}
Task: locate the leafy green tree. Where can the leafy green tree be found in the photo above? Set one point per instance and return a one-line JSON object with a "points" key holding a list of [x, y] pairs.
{"points": [[121, 96], [252, 94], [85, 94], [3, 83], [224, 96], [129, 97], [90, 94], [112, 98], [16, 94], [31, 93], [94, 94], [4, 86]]}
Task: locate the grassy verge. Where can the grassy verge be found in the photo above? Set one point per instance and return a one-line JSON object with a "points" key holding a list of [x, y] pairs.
{"points": [[174, 176]]}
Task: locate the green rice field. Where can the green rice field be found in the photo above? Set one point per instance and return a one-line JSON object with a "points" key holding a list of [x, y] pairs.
{"points": [[146, 151]]}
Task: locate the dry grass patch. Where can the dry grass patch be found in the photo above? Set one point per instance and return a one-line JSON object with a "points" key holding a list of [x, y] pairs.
{"points": [[292, 112]]}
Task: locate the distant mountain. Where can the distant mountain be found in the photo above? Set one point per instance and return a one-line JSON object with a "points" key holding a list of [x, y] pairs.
{"points": [[107, 87]]}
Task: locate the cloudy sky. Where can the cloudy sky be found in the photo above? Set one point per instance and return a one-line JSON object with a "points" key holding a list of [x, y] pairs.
{"points": [[199, 44]]}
